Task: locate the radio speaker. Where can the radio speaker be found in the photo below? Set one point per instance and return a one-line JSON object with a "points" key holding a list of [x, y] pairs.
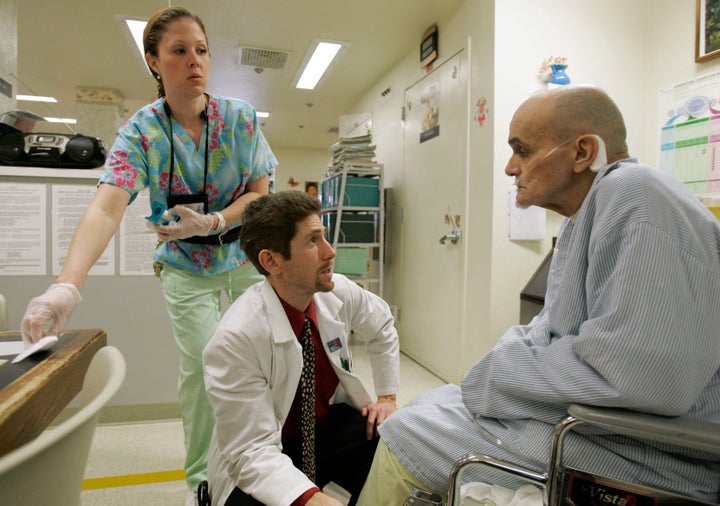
{"points": [[51, 150], [12, 148]]}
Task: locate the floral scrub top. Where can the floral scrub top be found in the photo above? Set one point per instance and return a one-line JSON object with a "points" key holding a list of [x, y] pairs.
{"points": [[237, 154]]}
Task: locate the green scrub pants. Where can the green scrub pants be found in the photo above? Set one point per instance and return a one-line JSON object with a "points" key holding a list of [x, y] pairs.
{"points": [[193, 304]]}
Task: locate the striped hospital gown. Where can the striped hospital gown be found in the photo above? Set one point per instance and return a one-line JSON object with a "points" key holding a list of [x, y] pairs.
{"points": [[631, 320]]}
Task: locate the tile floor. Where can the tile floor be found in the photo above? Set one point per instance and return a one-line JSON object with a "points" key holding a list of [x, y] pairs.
{"points": [[138, 452]]}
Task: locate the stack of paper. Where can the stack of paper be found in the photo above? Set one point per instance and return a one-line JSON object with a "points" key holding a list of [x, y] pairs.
{"points": [[358, 151]]}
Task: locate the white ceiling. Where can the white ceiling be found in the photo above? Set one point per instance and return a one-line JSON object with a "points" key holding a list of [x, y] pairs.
{"points": [[63, 44]]}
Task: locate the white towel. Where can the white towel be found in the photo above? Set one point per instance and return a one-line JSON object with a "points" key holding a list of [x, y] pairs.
{"points": [[482, 494]]}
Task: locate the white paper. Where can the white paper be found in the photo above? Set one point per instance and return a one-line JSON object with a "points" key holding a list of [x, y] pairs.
{"points": [[355, 125], [525, 224], [11, 347], [69, 203], [335, 491], [23, 244], [137, 241]]}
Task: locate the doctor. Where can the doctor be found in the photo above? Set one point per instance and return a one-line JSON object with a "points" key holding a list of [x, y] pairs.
{"points": [[261, 452]]}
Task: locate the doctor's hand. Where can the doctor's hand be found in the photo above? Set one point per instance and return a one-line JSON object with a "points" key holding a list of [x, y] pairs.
{"points": [[189, 224], [377, 412], [54, 307], [320, 499]]}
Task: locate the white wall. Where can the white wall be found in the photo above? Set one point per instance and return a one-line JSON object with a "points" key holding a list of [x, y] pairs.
{"points": [[299, 164], [630, 48]]}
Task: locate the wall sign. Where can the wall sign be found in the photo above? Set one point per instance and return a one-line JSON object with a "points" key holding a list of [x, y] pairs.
{"points": [[429, 46]]}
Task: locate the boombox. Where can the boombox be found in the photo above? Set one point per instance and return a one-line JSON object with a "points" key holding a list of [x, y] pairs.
{"points": [[51, 150]]}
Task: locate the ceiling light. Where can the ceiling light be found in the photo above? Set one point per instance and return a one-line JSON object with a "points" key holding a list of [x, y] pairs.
{"points": [[133, 29], [137, 28], [71, 121], [261, 114], [316, 62], [35, 98]]}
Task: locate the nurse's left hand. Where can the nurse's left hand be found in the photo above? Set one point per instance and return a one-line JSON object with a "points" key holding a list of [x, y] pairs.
{"points": [[189, 224], [377, 412]]}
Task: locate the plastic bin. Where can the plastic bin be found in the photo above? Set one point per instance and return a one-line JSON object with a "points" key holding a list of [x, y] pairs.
{"points": [[359, 192], [354, 227], [351, 261]]}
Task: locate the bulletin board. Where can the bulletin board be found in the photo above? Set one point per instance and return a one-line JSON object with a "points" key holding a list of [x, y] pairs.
{"points": [[690, 133]]}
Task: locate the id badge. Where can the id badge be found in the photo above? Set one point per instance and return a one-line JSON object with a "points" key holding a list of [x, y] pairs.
{"points": [[198, 202]]}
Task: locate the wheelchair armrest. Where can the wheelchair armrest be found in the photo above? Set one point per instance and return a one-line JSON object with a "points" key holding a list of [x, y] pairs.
{"points": [[693, 434], [523, 473]]}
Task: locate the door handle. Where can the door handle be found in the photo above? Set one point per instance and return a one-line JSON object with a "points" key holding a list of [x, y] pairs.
{"points": [[453, 237]]}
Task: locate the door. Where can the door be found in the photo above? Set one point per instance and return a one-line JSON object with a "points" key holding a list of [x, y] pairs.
{"points": [[434, 187]]}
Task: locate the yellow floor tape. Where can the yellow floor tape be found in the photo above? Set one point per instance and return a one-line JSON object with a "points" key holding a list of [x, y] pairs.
{"points": [[132, 479]]}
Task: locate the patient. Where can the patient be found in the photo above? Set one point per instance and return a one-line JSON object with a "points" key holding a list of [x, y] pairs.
{"points": [[631, 320]]}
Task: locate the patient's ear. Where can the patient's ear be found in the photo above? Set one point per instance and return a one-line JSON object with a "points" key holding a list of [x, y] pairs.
{"points": [[590, 153]]}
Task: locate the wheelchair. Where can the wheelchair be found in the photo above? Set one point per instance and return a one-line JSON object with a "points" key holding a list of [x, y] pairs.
{"points": [[563, 485]]}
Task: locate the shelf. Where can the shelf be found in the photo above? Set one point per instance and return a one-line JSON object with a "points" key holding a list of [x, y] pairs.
{"points": [[352, 209], [355, 278], [362, 224], [8, 170], [357, 245]]}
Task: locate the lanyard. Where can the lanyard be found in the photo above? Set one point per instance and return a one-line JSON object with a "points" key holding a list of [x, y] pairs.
{"points": [[172, 148]]}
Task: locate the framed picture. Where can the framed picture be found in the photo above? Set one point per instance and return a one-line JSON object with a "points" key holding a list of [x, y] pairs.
{"points": [[707, 32], [311, 187]]}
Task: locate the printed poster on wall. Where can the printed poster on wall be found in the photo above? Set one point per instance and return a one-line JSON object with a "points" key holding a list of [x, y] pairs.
{"points": [[137, 241], [68, 206], [23, 217], [690, 133], [430, 101], [525, 223]]}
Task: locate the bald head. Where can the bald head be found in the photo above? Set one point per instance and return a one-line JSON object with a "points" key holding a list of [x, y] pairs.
{"points": [[573, 110]]}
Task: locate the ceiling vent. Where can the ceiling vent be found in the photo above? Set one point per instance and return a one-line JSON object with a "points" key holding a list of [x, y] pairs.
{"points": [[263, 58]]}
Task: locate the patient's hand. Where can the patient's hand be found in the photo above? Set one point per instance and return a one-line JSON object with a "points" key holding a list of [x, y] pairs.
{"points": [[377, 412], [321, 499]]}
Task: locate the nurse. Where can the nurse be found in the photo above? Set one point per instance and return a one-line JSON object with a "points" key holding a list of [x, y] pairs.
{"points": [[203, 157]]}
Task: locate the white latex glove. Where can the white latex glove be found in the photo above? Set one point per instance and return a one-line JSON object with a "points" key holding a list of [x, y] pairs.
{"points": [[189, 224], [54, 307]]}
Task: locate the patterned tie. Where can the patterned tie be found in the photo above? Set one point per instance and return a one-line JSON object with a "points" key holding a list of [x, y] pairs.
{"points": [[307, 402]]}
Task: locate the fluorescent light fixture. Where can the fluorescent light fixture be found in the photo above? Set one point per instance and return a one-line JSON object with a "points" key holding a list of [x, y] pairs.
{"points": [[261, 114], [70, 121], [137, 28], [35, 98], [133, 29], [317, 61]]}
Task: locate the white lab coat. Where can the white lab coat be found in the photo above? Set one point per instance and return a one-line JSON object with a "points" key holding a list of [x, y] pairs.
{"points": [[252, 370]]}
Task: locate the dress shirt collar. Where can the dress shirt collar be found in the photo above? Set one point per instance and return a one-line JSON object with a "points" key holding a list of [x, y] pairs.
{"points": [[297, 318]]}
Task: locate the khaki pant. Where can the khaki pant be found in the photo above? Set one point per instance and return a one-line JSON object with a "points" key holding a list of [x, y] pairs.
{"points": [[389, 483]]}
